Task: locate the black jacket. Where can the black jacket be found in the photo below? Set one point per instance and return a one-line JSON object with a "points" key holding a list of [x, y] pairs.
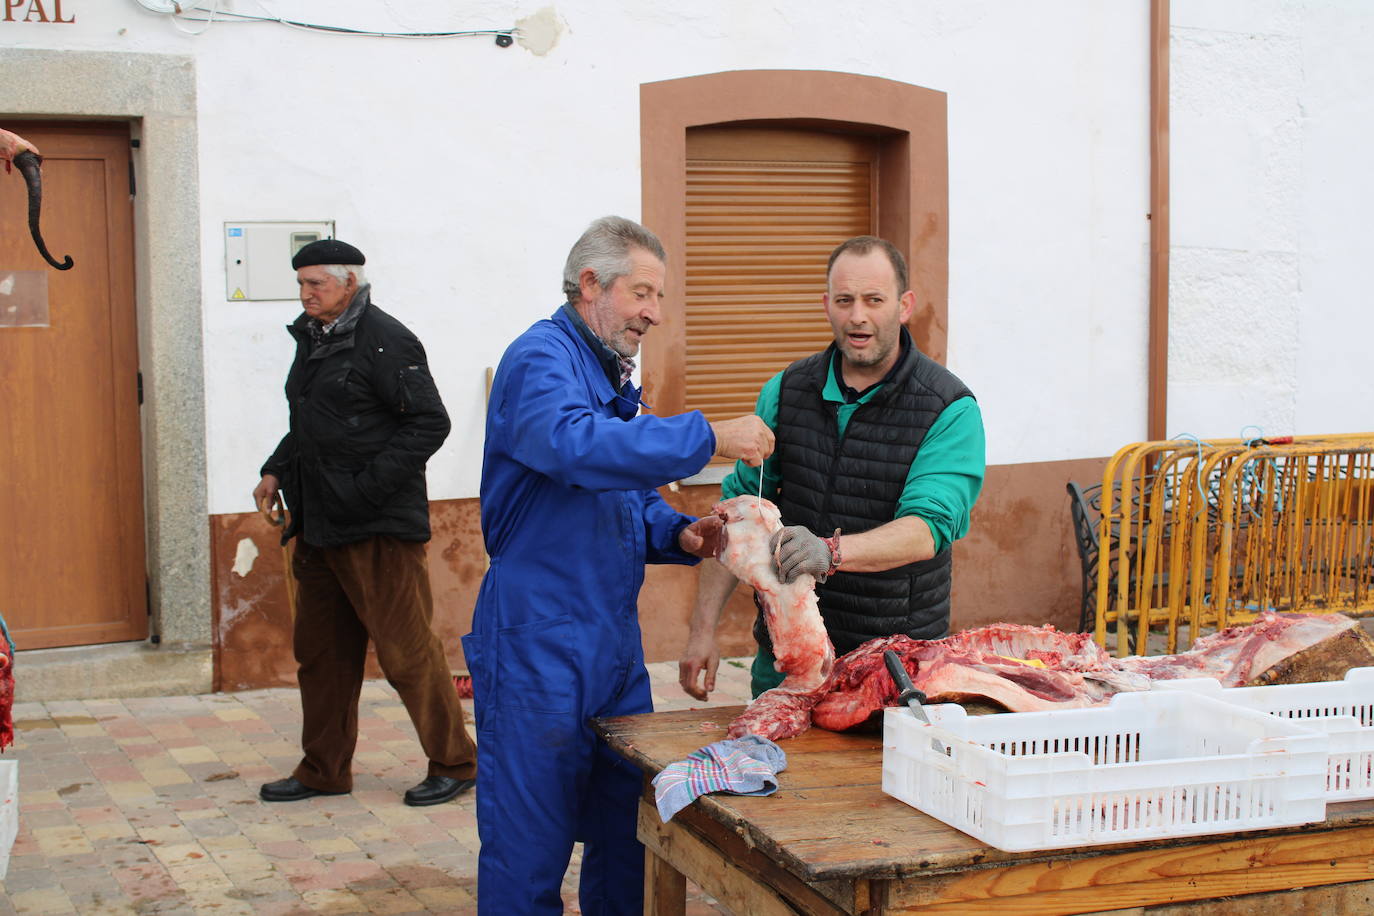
{"points": [[365, 417]]}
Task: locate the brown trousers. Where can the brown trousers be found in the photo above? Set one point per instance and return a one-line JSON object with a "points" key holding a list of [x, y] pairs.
{"points": [[376, 588]]}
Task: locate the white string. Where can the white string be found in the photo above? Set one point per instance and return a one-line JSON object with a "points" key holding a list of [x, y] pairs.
{"points": [[199, 8]]}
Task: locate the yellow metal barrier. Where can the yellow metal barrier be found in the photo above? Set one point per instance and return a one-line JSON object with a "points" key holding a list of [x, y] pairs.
{"points": [[1296, 532], [1193, 536]]}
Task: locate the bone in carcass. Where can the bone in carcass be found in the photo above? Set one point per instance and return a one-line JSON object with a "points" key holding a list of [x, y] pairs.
{"points": [[800, 644], [1018, 668], [1013, 667], [1275, 649], [978, 665]]}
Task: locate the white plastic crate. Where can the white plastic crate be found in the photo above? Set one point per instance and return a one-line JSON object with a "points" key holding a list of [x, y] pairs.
{"points": [[9, 811], [1344, 710], [1149, 765]]}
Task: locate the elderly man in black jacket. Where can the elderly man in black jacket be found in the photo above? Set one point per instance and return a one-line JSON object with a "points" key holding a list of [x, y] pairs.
{"points": [[365, 417]]}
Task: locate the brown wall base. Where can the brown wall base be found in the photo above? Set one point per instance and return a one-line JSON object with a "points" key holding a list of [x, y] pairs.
{"points": [[1018, 564], [252, 617]]}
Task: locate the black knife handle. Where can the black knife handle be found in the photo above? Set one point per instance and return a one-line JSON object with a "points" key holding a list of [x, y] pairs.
{"points": [[897, 670], [899, 675], [907, 689]]}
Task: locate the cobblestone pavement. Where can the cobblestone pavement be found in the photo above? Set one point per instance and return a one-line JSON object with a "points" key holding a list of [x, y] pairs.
{"points": [[143, 806]]}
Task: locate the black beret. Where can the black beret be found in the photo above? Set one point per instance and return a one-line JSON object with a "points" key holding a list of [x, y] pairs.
{"points": [[327, 251]]}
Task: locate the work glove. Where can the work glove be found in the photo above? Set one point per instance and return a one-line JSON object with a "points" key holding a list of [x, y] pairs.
{"points": [[796, 550], [702, 538]]}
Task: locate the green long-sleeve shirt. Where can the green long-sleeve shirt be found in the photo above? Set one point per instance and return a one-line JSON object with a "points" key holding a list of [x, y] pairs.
{"points": [[945, 478]]}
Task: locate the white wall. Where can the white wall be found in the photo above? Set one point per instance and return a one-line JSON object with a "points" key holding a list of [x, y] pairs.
{"points": [[1272, 192], [1335, 387], [465, 171]]}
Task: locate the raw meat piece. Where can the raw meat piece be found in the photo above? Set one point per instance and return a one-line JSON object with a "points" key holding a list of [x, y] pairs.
{"points": [[1265, 651], [1065, 670], [977, 665], [800, 644], [6, 688]]}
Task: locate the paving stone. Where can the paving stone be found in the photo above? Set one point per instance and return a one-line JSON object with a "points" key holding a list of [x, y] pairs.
{"points": [[149, 806], [53, 817], [42, 900], [54, 842], [328, 900]]}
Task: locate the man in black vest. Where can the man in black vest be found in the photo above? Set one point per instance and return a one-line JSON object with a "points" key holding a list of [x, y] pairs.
{"points": [[879, 459]]}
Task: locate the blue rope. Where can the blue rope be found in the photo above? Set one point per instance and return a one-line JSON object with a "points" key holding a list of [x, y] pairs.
{"points": [[1211, 491], [1250, 475], [1198, 446]]}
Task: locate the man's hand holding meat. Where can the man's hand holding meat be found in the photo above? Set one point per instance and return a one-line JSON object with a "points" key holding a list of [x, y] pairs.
{"points": [[570, 514], [796, 550], [365, 416], [875, 439], [702, 537]]}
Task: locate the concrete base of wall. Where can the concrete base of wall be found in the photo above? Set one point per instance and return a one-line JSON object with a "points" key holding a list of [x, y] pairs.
{"points": [[131, 669]]}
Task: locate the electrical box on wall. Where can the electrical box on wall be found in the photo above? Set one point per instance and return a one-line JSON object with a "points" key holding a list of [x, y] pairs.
{"points": [[257, 256]]}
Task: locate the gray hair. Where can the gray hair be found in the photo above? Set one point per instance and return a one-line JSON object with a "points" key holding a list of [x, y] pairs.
{"points": [[605, 250], [340, 272]]}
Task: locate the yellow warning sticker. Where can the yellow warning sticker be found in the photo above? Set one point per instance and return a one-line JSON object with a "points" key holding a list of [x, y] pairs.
{"points": [[238, 294]]}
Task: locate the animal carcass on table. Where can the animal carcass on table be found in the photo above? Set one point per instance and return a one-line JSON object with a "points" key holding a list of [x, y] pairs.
{"points": [[1019, 668], [1275, 649], [800, 644], [1025, 669], [1006, 666]]}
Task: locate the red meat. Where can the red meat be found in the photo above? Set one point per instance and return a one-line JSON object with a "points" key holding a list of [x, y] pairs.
{"points": [[6, 694], [1018, 668], [800, 644], [977, 665], [1238, 655]]}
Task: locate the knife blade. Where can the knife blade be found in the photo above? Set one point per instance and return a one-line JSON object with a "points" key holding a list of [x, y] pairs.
{"points": [[909, 695]]}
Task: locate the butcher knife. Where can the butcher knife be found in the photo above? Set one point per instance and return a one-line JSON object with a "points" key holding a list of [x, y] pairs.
{"points": [[909, 696]]}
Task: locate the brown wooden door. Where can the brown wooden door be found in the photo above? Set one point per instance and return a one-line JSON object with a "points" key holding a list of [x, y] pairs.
{"points": [[765, 207], [71, 489]]}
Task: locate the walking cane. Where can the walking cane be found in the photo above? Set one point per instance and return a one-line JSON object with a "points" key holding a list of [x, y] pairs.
{"points": [[279, 519]]}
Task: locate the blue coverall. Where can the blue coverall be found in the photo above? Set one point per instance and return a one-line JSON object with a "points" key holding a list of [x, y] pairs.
{"points": [[570, 516]]}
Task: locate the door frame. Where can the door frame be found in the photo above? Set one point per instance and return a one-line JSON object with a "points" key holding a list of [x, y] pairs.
{"points": [[913, 205], [156, 95], [110, 604]]}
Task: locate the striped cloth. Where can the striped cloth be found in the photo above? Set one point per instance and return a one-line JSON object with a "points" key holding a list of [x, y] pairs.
{"points": [[741, 766]]}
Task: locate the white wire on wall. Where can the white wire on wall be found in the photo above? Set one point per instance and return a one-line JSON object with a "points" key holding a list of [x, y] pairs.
{"points": [[211, 13]]}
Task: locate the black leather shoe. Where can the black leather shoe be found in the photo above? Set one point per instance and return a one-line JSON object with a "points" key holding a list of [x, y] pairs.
{"points": [[437, 789], [290, 789]]}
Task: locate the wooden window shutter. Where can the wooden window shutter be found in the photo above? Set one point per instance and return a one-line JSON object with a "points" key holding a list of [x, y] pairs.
{"points": [[765, 207]]}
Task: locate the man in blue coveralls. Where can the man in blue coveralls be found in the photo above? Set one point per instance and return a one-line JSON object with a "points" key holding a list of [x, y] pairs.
{"points": [[570, 515], [879, 459]]}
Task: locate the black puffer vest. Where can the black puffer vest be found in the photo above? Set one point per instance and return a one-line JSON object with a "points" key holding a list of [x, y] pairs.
{"points": [[854, 483]]}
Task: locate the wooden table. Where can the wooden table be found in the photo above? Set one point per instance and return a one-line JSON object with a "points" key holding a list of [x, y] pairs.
{"points": [[830, 842]]}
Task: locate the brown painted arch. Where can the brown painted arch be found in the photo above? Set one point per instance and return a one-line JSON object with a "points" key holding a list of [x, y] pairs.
{"points": [[913, 194]]}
